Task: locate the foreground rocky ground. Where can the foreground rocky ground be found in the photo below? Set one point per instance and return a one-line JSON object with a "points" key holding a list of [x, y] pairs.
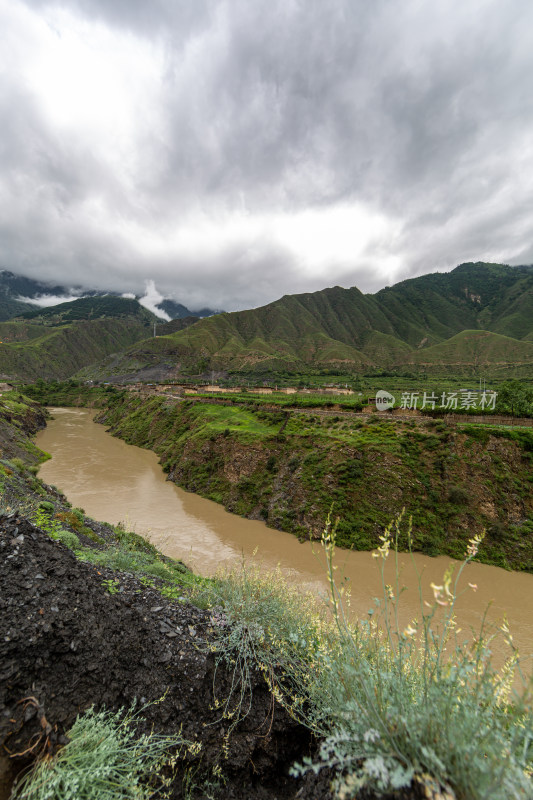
{"points": [[67, 643]]}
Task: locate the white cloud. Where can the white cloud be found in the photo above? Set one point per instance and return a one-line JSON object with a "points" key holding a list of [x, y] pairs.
{"points": [[151, 299], [45, 300], [231, 152]]}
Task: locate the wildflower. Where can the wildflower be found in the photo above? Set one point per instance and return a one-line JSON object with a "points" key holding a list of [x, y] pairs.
{"points": [[410, 533], [507, 635], [442, 594], [409, 631], [438, 594], [219, 618], [505, 678], [383, 550], [390, 593], [473, 544], [377, 769], [473, 586]]}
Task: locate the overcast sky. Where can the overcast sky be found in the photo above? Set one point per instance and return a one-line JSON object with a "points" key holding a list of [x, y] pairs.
{"points": [[233, 151]]}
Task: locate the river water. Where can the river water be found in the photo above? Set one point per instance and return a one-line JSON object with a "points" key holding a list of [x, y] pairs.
{"points": [[117, 482]]}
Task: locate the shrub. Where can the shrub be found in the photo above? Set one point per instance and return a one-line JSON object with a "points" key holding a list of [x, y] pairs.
{"points": [[416, 701], [271, 463], [458, 496], [260, 621], [105, 759], [158, 569], [132, 541], [391, 704], [498, 531], [68, 538]]}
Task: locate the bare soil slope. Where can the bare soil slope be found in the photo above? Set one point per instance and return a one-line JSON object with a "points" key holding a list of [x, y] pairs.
{"points": [[67, 643]]}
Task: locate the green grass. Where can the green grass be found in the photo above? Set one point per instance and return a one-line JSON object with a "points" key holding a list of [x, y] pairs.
{"points": [[216, 419]]}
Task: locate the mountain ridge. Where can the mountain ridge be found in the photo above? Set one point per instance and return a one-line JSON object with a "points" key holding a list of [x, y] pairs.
{"points": [[478, 316], [346, 330], [57, 341]]}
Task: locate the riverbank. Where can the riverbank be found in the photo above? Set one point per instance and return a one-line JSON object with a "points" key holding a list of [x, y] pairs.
{"points": [[290, 470], [133, 490], [243, 669]]}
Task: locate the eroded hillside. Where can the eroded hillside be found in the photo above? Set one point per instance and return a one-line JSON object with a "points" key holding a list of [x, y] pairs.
{"points": [[290, 469]]}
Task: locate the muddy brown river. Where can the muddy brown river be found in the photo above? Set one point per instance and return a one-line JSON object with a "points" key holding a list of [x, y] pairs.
{"points": [[117, 482]]}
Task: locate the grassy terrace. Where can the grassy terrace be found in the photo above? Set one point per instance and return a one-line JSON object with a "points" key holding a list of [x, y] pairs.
{"points": [[240, 421]]}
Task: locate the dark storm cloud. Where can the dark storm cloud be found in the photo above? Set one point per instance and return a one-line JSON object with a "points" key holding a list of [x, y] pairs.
{"points": [[418, 116]]}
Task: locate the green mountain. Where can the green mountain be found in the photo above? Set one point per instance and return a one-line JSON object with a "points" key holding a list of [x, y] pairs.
{"points": [[13, 287], [491, 297], [20, 294], [478, 315], [89, 308], [57, 342], [469, 352]]}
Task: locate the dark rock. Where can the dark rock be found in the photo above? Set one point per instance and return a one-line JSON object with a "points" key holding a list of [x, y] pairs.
{"points": [[73, 645]]}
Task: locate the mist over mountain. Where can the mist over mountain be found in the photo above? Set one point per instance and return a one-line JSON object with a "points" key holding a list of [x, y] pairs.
{"points": [[20, 294]]}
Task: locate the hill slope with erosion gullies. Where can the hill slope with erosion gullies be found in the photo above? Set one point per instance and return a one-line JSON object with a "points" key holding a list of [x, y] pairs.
{"points": [[475, 352], [56, 342], [290, 469], [347, 331]]}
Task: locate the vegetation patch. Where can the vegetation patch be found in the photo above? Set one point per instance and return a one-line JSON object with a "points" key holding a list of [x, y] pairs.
{"points": [[105, 758], [287, 468]]}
